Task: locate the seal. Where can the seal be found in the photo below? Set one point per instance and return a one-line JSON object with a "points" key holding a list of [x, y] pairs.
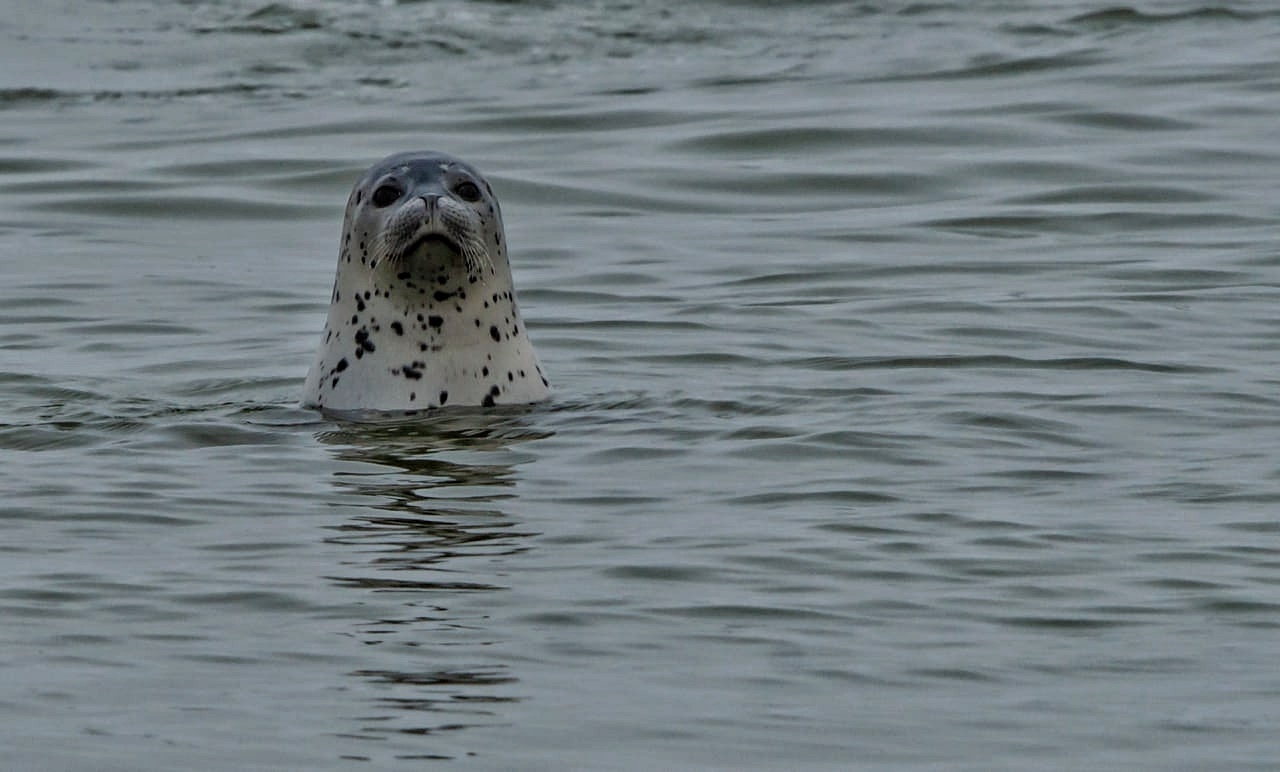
{"points": [[423, 312]]}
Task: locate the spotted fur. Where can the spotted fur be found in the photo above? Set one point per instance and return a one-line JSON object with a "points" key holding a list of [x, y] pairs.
{"points": [[423, 313]]}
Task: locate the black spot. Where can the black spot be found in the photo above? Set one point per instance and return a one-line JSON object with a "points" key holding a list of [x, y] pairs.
{"points": [[359, 303], [546, 383], [355, 319], [419, 317], [493, 332], [362, 337], [402, 275], [477, 322], [422, 347], [334, 385], [485, 371], [359, 353], [522, 373], [435, 321], [510, 376], [413, 395], [444, 397], [494, 390], [487, 401], [342, 365], [441, 295], [409, 372], [399, 330]]}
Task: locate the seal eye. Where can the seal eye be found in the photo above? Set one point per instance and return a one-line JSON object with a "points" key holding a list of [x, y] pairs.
{"points": [[385, 196], [467, 191]]}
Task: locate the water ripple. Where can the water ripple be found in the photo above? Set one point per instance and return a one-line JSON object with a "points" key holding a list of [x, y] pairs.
{"points": [[911, 355]]}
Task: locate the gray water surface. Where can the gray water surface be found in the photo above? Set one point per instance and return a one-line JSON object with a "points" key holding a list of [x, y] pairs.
{"points": [[916, 391]]}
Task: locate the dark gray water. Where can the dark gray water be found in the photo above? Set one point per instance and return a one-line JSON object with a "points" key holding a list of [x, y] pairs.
{"points": [[916, 405]]}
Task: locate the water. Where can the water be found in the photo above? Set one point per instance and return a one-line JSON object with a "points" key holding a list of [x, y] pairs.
{"points": [[916, 390]]}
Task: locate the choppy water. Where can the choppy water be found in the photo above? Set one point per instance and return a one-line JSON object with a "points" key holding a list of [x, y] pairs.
{"points": [[917, 390]]}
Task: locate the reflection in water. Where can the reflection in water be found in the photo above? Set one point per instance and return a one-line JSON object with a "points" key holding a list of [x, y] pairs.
{"points": [[429, 528]]}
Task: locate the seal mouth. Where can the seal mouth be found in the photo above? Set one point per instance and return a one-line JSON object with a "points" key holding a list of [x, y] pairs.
{"points": [[432, 244]]}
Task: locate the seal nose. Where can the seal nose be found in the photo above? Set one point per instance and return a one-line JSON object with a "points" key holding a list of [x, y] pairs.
{"points": [[430, 209]]}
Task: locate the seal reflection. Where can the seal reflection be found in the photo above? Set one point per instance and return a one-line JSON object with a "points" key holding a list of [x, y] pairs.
{"points": [[428, 529]]}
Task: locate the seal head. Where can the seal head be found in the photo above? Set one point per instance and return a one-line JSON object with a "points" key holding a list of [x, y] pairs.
{"points": [[423, 312]]}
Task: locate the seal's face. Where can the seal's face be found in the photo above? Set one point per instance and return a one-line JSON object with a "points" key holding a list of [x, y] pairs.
{"points": [[423, 312], [425, 213]]}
